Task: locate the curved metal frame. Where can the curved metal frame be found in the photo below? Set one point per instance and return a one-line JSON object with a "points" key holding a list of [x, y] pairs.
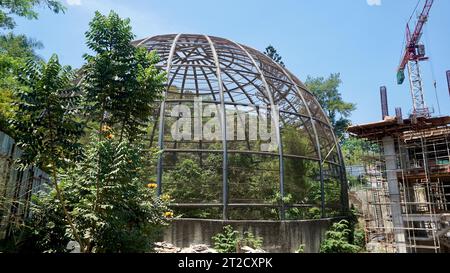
{"points": [[247, 77]]}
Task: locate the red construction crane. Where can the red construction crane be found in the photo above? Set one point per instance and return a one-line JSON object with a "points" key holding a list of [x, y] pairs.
{"points": [[414, 53]]}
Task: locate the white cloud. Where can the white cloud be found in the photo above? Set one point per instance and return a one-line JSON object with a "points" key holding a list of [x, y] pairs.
{"points": [[374, 2], [74, 2]]}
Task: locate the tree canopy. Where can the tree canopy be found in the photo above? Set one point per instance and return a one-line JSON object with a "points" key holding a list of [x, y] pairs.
{"points": [[46, 126], [24, 8], [272, 53], [15, 51], [120, 81], [103, 196], [326, 90]]}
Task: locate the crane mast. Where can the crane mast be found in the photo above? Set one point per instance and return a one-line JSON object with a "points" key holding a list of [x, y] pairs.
{"points": [[415, 53]]}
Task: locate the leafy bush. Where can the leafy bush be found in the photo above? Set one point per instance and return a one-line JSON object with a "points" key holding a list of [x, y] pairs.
{"points": [[46, 232], [227, 241], [357, 236], [338, 239], [114, 206], [251, 240], [230, 240]]}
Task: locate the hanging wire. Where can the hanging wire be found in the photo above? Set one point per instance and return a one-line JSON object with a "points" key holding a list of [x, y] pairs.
{"points": [[414, 11], [433, 74], [409, 21]]}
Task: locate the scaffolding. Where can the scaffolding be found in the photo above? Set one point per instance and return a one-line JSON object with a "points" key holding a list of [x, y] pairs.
{"points": [[423, 180]]}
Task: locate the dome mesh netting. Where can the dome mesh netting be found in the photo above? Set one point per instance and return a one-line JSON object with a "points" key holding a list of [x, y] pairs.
{"points": [[302, 176]]}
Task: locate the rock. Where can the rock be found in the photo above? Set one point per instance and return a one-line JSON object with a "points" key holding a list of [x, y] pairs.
{"points": [[163, 247], [198, 249], [73, 247], [247, 249]]}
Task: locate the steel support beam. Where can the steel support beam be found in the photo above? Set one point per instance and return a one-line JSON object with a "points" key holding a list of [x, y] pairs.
{"points": [[161, 118], [224, 130]]}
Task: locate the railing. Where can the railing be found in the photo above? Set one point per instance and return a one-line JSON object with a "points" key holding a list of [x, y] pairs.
{"points": [[16, 186]]}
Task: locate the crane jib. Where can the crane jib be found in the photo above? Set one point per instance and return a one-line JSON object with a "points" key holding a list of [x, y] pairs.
{"points": [[413, 38]]}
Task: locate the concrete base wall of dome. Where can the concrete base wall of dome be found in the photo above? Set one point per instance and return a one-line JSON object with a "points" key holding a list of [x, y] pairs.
{"points": [[278, 236]]}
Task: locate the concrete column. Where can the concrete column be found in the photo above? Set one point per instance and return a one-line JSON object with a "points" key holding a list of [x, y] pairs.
{"points": [[394, 193]]}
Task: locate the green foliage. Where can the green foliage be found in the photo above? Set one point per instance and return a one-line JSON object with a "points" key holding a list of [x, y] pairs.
{"points": [[46, 126], [251, 240], [357, 235], [18, 47], [227, 241], [355, 149], [272, 53], [315, 213], [252, 179], [360, 237], [45, 123], [112, 205], [107, 197], [338, 239], [47, 230], [15, 51], [103, 196], [327, 93], [190, 180], [248, 182], [121, 81], [298, 171], [24, 8], [230, 240]]}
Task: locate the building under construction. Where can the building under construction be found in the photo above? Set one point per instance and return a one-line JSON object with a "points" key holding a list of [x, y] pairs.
{"points": [[407, 169], [407, 184]]}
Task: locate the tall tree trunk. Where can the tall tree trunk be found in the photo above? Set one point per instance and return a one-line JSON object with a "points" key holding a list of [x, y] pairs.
{"points": [[58, 190]]}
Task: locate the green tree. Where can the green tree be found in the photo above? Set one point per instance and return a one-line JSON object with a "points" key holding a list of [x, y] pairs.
{"points": [[272, 53], [120, 81], [15, 50], [326, 90], [24, 8], [46, 127], [107, 199], [122, 215]]}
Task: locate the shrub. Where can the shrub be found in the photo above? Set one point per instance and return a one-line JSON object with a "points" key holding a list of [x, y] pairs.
{"points": [[338, 239], [230, 240], [110, 199], [227, 241]]}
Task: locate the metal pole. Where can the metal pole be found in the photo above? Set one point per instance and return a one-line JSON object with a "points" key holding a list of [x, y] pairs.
{"points": [[161, 118], [224, 130]]}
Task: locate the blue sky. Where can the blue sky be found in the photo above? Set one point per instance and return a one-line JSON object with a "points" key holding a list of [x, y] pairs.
{"points": [[315, 37]]}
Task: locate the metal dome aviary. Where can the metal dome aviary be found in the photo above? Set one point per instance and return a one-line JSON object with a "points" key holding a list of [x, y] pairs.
{"points": [[251, 140]]}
